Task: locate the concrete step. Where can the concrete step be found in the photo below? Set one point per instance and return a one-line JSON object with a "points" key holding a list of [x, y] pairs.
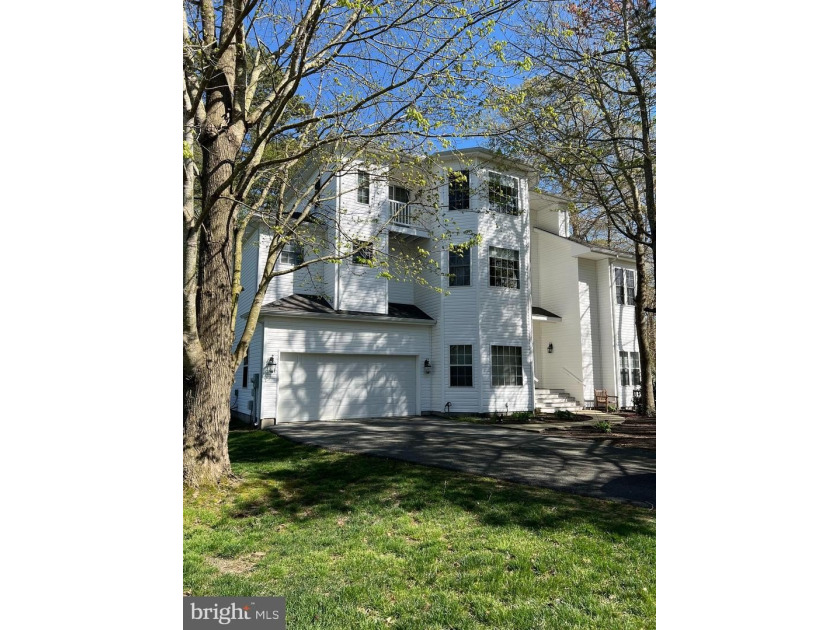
{"points": [[562, 392], [551, 399]]}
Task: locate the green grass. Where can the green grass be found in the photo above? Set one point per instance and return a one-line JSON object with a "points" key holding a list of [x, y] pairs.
{"points": [[357, 542]]}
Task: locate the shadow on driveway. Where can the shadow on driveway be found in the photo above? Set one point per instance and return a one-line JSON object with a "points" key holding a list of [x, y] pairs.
{"points": [[577, 466]]}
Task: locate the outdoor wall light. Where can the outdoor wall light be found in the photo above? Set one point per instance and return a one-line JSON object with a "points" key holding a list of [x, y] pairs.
{"points": [[270, 366], [550, 348], [427, 367]]}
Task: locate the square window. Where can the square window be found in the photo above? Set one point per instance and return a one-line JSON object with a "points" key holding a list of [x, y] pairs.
{"points": [[504, 268], [459, 268], [506, 365], [365, 255], [504, 193], [292, 254], [460, 366]]}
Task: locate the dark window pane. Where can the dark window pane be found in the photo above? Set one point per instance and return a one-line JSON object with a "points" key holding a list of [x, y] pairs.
{"points": [[459, 190], [459, 268]]}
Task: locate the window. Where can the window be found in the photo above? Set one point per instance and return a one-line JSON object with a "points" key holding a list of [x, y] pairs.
{"points": [[363, 192], [506, 365], [459, 268], [625, 286], [625, 369], [504, 268], [245, 368], [504, 193], [316, 196], [636, 369], [460, 366], [292, 254], [626, 373], [459, 190], [397, 193], [365, 255]]}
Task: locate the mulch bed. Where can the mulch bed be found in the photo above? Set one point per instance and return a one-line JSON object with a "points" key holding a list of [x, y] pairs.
{"points": [[634, 432]]}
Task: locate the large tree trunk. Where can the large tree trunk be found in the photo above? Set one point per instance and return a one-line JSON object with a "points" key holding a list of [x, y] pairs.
{"points": [[642, 300], [209, 371], [206, 420]]}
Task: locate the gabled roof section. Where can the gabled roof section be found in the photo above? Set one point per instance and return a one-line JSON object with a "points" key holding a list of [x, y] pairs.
{"points": [[486, 155], [300, 305], [591, 250], [542, 312]]}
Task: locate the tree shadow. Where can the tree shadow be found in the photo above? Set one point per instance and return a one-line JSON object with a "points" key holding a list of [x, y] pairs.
{"points": [[300, 482]]}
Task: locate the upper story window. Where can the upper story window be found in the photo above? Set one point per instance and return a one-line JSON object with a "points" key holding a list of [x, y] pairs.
{"points": [[365, 255], [504, 193], [459, 190], [292, 254], [460, 366], [506, 365], [625, 286], [459, 268], [504, 268], [363, 190]]}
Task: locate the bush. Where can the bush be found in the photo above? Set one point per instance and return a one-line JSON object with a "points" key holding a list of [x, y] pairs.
{"points": [[612, 408], [521, 415], [603, 426], [563, 414]]}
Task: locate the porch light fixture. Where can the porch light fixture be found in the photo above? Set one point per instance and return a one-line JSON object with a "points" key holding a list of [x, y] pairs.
{"points": [[550, 348], [270, 366], [427, 367]]}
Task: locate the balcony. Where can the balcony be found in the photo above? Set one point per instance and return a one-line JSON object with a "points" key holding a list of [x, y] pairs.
{"points": [[400, 213]]}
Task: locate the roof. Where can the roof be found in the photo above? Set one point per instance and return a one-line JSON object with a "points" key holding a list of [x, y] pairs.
{"points": [[300, 305], [600, 249], [536, 310]]}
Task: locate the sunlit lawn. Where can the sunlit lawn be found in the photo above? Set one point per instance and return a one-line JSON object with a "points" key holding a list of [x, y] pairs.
{"points": [[361, 542]]}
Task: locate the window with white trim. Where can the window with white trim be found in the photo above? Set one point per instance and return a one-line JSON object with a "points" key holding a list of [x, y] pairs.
{"points": [[631, 369], [506, 365], [363, 191], [459, 190], [292, 254], [460, 366], [504, 267], [625, 286], [504, 193], [635, 369], [365, 255], [459, 268]]}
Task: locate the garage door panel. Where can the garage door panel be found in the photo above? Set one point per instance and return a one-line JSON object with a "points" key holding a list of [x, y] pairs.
{"points": [[329, 387]]}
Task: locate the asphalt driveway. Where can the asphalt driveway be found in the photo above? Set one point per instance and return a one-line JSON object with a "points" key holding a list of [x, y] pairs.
{"points": [[577, 466]]}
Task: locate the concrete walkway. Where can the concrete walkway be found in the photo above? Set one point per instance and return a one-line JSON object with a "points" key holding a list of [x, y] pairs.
{"points": [[577, 466]]}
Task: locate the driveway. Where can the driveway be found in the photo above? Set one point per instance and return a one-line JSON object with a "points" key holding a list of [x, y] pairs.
{"points": [[577, 466]]}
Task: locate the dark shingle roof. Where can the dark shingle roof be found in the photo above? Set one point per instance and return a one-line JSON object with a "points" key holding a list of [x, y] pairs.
{"points": [[536, 310], [317, 304]]}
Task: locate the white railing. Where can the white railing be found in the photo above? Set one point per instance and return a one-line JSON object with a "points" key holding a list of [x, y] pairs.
{"points": [[400, 212]]}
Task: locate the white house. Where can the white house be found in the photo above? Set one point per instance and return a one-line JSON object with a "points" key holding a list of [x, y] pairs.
{"points": [[526, 317]]}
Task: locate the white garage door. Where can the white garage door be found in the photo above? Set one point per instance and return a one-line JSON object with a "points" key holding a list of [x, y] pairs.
{"points": [[329, 387]]}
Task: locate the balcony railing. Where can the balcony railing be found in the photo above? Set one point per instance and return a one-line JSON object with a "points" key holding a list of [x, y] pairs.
{"points": [[400, 212]]}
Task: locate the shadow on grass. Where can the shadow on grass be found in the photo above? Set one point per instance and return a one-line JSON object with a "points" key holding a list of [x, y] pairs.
{"points": [[302, 482]]}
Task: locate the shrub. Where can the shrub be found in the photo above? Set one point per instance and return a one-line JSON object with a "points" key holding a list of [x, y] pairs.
{"points": [[603, 426], [521, 415], [563, 414]]}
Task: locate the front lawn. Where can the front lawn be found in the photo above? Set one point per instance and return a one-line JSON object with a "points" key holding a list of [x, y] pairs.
{"points": [[355, 542]]}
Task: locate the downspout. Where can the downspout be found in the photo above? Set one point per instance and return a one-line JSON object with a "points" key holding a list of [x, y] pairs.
{"points": [[337, 265]]}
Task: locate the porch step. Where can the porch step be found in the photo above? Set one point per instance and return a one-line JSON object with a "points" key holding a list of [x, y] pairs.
{"points": [[553, 399]]}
